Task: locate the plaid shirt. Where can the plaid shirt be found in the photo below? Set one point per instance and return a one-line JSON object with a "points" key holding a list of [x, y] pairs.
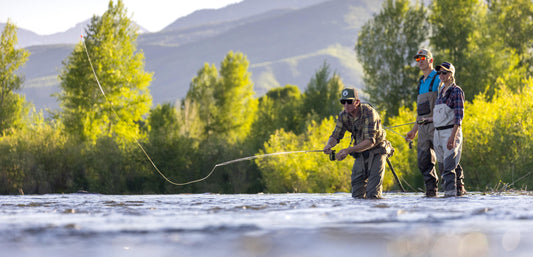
{"points": [[367, 126], [455, 99]]}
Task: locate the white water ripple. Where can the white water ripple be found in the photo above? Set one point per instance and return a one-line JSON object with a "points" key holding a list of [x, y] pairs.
{"points": [[266, 225]]}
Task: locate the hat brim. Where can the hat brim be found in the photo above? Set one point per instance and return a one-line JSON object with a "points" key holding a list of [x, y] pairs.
{"points": [[440, 67]]}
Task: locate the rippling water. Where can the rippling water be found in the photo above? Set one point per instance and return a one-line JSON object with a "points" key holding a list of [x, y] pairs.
{"points": [[265, 225]]}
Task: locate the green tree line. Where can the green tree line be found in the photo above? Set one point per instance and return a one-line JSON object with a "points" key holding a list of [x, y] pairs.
{"points": [[97, 140]]}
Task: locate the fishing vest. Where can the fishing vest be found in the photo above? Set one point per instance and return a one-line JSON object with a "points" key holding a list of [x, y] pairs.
{"points": [[443, 115], [426, 101]]}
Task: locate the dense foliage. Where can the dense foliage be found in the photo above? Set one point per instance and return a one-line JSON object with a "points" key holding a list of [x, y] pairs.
{"points": [[385, 47], [97, 143], [110, 44], [12, 105]]}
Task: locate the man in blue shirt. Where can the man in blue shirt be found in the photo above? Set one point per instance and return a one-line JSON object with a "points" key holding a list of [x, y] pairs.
{"points": [[428, 87]]}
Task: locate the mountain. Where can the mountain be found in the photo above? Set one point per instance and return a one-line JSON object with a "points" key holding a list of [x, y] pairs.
{"points": [[237, 11], [285, 44], [28, 38]]}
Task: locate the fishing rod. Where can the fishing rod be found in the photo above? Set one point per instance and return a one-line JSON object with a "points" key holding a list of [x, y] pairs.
{"points": [[410, 141], [405, 124]]}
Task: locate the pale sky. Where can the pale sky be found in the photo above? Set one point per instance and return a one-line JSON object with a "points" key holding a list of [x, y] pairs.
{"points": [[46, 17]]}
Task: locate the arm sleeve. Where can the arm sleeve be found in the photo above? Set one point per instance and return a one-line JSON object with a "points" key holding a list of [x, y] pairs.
{"points": [[339, 131], [458, 105], [371, 126]]}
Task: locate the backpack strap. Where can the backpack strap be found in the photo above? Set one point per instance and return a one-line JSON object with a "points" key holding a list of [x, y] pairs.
{"points": [[432, 81], [419, 83], [430, 85]]}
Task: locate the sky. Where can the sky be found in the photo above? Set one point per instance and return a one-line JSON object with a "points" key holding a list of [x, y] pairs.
{"points": [[46, 17]]}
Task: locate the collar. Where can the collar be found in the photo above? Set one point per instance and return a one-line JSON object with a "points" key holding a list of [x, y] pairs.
{"points": [[447, 89]]}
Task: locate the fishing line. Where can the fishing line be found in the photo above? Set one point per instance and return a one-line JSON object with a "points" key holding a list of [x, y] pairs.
{"points": [[401, 125], [217, 165], [408, 140], [150, 159]]}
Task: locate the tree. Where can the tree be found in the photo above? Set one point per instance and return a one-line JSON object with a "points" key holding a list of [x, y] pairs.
{"points": [[234, 98], [469, 38], [457, 33], [321, 97], [385, 48], [217, 114], [110, 44], [279, 108], [12, 105], [201, 97], [223, 101], [169, 149], [511, 21]]}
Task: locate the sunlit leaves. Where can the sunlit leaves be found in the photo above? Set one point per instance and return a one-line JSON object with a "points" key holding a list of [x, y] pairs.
{"points": [[110, 42], [385, 47], [12, 105]]}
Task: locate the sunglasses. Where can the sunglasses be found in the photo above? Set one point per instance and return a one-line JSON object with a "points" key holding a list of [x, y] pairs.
{"points": [[343, 102], [423, 58], [443, 72]]}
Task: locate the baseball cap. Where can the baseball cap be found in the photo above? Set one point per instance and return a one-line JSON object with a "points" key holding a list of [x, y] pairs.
{"points": [[424, 52], [348, 94], [446, 66]]}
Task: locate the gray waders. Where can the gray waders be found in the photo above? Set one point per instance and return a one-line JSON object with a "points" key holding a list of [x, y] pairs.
{"points": [[448, 158], [425, 149]]}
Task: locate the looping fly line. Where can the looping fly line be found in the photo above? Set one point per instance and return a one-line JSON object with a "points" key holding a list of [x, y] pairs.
{"points": [[150, 159]]}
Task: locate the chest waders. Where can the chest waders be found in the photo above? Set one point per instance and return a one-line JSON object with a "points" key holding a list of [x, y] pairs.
{"points": [[425, 149], [369, 166], [444, 119]]}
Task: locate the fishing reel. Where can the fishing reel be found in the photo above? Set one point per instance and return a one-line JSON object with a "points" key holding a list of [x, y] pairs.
{"points": [[332, 156]]}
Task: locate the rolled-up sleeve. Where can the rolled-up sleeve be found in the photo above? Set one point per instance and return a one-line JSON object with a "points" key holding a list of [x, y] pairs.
{"points": [[371, 127], [340, 130], [458, 99]]}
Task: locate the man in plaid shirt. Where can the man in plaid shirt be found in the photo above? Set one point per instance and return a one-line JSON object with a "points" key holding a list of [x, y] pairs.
{"points": [[368, 146]]}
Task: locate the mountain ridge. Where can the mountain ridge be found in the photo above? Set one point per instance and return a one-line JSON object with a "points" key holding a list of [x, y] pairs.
{"points": [[283, 46]]}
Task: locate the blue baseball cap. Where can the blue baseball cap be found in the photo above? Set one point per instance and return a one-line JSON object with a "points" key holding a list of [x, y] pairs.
{"points": [[446, 66]]}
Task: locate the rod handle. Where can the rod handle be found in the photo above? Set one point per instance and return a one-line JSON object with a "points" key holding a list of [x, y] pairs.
{"points": [[332, 156]]}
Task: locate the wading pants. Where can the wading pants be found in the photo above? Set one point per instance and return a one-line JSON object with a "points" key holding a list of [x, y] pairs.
{"points": [[449, 160], [426, 156], [367, 176]]}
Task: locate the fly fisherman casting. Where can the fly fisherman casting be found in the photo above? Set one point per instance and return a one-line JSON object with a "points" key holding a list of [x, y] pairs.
{"points": [[369, 146]]}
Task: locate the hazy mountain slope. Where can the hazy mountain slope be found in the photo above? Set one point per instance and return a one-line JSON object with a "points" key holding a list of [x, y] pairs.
{"points": [[244, 9], [286, 49], [41, 74], [182, 36], [283, 46], [71, 36]]}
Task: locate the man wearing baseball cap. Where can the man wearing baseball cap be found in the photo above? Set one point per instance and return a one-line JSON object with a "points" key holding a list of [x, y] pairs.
{"points": [[427, 92], [368, 145]]}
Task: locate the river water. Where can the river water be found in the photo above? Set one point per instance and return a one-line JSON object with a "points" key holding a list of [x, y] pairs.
{"points": [[402, 224]]}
